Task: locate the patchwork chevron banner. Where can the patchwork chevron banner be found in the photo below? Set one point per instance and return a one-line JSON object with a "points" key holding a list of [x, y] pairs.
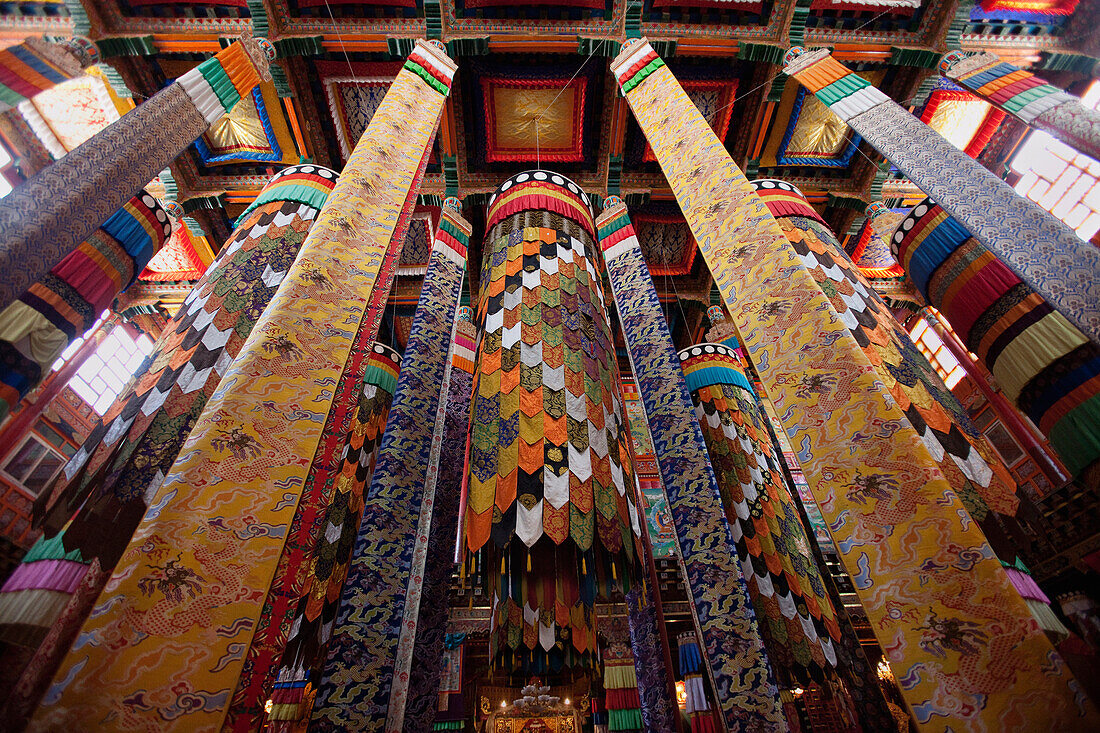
{"points": [[739, 667], [978, 476], [62, 205], [367, 670], [1027, 97], [1040, 249], [794, 612], [1049, 369], [187, 592], [964, 647], [549, 449]]}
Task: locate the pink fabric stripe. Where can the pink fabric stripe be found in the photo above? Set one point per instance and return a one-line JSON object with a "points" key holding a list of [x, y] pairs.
{"points": [[59, 575], [1025, 585]]}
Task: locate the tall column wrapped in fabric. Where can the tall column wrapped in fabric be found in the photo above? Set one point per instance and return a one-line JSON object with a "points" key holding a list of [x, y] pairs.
{"points": [[366, 673], [448, 465], [1027, 97], [739, 667], [1043, 364], [550, 501], [247, 708], [949, 619], [66, 301], [61, 206], [102, 494], [328, 562], [1040, 249], [189, 587], [795, 614]]}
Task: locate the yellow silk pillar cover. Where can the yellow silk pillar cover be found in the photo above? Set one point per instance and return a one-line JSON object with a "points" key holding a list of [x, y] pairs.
{"points": [[966, 652], [165, 645]]}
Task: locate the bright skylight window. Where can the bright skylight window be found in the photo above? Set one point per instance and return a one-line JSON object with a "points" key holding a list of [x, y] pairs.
{"points": [[933, 348], [1061, 180], [102, 377]]}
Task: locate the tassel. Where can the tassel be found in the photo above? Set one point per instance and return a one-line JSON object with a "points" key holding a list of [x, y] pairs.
{"points": [[528, 560], [613, 575], [584, 568]]}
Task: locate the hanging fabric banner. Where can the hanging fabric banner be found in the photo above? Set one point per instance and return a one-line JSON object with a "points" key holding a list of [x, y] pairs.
{"points": [[189, 587], [306, 528], [48, 216], [978, 476], [35, 65], [92, 511], [367, 671], [447, 467], [885, 500], [739, 666], [1040, 249]]}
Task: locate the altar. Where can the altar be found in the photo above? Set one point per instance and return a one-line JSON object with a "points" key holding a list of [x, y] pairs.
{"points": [[535, 712]]}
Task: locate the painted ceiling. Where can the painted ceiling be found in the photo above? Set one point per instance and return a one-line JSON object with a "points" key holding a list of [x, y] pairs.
{"points": [[533, 88]]}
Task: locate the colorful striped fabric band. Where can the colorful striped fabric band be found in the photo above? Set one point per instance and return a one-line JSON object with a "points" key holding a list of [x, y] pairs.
{"points": [[218, 83], [783, 199], [306, 184], [707, 364], [1040, 360]]}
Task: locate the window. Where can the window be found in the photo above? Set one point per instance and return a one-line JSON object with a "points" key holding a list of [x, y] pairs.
{"points": [[34, 464], [933, 348], [102, 377], [1061, 180]]}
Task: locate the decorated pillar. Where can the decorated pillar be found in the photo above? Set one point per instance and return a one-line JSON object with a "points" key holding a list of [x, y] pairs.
{"points": [[978, 476], [1025, 96], [1044, 365], [67, 301], [36, 64], [796, 618], [102, 494], [364, 685], [1041, 250], [861, 684], [290, 580], [739, 667], [550, 501], [327, 566], [433, 557], [880, 491], [189, 587], [61, 206]]}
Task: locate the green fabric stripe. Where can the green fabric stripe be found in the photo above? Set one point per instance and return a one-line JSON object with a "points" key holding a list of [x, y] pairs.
{"points": [[297, 192], [380, 377], [843, 87], [426, 76], [643, 74], [10, 96], [630, 719], [219, 81], [52, 549], [614, 225], [449, 725], [1026, 97], [454, 231], [1076, 436]]}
